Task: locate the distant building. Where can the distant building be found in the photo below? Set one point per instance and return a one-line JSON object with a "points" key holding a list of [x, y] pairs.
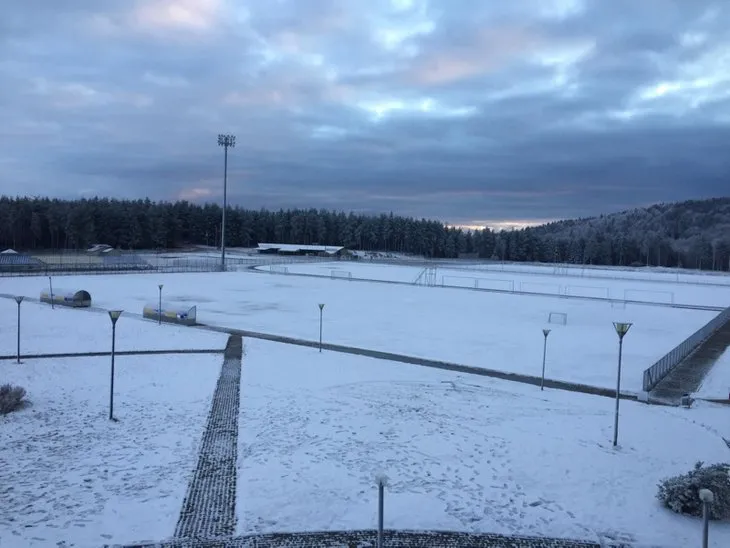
{"points": [[12, 261], [301, 249], [99, 248]]}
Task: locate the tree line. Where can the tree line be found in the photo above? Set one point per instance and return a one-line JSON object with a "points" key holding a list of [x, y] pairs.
{"points": [[690, 234]]}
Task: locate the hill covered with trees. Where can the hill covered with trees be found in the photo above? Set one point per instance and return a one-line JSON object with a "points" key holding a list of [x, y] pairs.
{"points": [[694, 234]]}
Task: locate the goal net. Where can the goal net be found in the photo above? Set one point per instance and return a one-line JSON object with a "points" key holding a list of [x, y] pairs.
{"points": [[278, 269], [560, 318], [341, 274]]}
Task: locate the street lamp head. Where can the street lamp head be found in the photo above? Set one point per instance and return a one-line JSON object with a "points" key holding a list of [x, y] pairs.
{"points": [[546, 332], [160, 286], [114, 315], [19, 299], [621, 328], [707, 496], [321, 306], [226, 140]]}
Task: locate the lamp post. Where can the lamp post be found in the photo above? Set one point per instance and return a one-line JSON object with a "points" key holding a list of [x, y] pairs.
{"points": [[19, 299], [159, 307], [114, 316], [621, 329], [226, 141], [50, 286], [321, 308], [707, 497], [382, 482], [545, 333]]}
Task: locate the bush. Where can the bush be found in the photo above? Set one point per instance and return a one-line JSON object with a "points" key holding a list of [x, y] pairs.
{"points": [[681, 494], [12, 398]]}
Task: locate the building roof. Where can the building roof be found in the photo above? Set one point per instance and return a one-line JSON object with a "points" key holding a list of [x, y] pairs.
{"points": [[16, 259], [330, 249], [8, 252]]}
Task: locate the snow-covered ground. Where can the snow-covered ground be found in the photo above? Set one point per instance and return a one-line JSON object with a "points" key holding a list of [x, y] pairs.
{"points": [[462, 453], [651, 274], [535, 279], [717, 383], [59, 330], [70, 475], [498, 331]]}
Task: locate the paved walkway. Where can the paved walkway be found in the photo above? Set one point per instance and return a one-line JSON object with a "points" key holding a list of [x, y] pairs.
{"points": [[688, 375], [209, 507], [391, 539]]}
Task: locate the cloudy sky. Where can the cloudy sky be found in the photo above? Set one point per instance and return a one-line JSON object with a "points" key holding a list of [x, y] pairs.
{"points": [[469, 111]]}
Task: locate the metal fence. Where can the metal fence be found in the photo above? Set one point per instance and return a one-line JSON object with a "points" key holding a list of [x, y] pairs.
{"points": [[661, 369], [140, 264]]}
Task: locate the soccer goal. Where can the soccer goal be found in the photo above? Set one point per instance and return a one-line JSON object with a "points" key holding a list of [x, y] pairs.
{"points": [[341, 274], [278, 269], [560, 318]]}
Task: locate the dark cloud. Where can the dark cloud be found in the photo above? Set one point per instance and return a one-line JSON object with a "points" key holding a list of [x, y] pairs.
{"points": [[461, 110]]}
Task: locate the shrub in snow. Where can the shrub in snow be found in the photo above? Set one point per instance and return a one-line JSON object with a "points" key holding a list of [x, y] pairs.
{"points": [[11, 398], [681, 494]]}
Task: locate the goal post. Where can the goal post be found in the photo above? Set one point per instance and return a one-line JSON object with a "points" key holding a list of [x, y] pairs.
{"points": [[341, 274], [559, 318]]}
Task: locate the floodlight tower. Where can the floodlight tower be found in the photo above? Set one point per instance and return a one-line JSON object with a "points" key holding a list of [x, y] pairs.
{"points": [[225, 140]]}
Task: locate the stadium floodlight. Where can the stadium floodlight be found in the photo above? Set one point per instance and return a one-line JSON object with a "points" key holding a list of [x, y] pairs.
{"points": [[545, 333], [225, 140], [621, 329], [113, 316], [19, 299], [321, 309]]}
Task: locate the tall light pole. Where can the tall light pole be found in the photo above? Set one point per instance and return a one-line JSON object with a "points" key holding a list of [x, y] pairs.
{"points": [[19, 299], [621, 329], [226, 141], [50, 286], [114, 316], [159, 308], [545, 333], [321, 308]]}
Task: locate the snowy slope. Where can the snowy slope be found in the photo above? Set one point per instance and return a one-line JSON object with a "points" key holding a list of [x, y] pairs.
{"points": [[717, 383]]}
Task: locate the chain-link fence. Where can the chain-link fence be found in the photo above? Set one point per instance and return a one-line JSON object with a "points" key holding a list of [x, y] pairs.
{"points": [[17, 264]]}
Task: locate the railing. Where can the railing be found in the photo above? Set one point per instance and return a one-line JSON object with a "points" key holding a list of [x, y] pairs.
{"points": [[143, 263], [661, 369]]}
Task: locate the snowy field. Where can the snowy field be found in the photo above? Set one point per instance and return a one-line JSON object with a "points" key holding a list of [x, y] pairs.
{"points": [[70, 475], [498, 331], [533, 279], [462, 453], [650, 274], [60, 330]]}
